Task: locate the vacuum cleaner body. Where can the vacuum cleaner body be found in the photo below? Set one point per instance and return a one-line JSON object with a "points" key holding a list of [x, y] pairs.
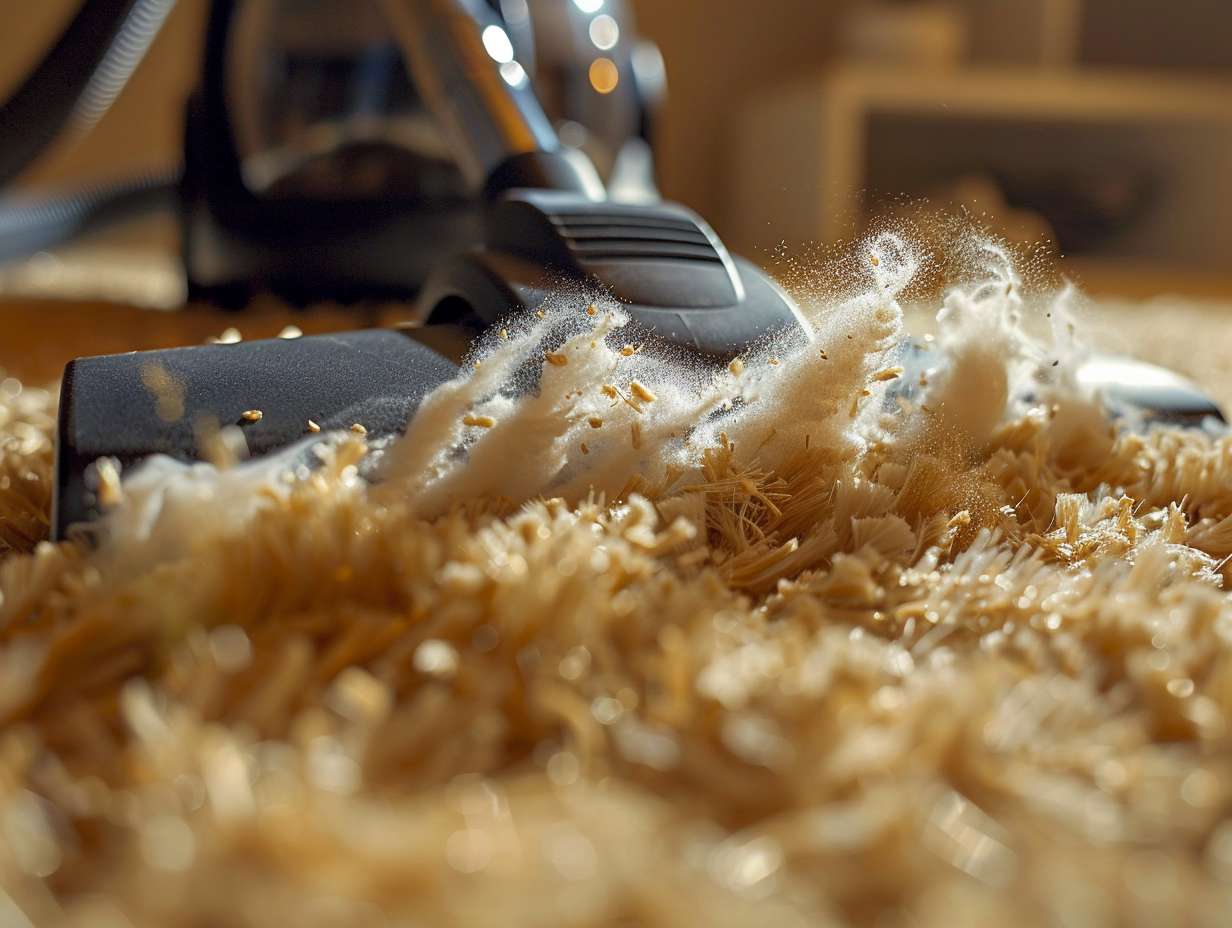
{"points": [[316, 164]]}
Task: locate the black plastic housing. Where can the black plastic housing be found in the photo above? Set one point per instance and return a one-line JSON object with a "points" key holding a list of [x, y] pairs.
{"points": [[661, 261], [235, 243], [109, 405]]}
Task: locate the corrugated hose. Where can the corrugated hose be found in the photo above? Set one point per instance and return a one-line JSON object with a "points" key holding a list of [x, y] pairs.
{"points": [[72, 87]]}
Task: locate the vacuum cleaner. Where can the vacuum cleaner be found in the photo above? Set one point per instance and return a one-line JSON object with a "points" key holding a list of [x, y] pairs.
{"points": [[474, 206], [542, 219]]}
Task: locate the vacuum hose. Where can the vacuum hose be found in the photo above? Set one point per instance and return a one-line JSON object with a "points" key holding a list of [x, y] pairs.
{"points": [[74, 85], [79, 77], [28, 226]]}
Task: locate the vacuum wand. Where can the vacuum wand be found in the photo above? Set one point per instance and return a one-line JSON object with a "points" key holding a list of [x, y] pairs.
{"points": [[463, 64]]}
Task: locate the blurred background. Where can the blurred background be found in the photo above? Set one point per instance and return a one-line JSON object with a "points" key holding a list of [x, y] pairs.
{"points": [[1100, 129]]}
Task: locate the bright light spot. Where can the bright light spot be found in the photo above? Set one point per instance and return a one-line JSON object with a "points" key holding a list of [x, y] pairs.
{"points": [[743, 866], [496, 41], [604, 32], [589, 6], [513, 73], [606, 709], [575, 663], [436, 658], [1105, 370], [603, 75], [359, 696]]}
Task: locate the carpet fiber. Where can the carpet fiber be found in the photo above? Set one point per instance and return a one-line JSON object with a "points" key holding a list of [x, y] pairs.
{"points": [[962, 671]]}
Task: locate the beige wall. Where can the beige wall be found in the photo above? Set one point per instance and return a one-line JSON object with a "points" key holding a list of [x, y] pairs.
{"points": [[142, 131], [717, 51]]}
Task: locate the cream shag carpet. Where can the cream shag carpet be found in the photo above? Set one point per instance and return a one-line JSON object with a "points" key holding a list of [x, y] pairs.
{"points": [[800, 661]]}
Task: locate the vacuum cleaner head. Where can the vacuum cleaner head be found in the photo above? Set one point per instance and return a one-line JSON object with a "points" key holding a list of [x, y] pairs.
{"points": [[126, 407], [672, 274]]}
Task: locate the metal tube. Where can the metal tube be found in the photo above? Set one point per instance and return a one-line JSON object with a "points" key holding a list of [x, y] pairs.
{"points": [[462, 62]]}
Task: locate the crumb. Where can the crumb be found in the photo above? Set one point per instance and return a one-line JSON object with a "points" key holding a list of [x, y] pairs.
{"points": [[358, 429], [252, 415], [639, 390], [556, 359], [595, 422], [230, 336], [313, 427], [480, 422], [736, 367], [110, 490]]}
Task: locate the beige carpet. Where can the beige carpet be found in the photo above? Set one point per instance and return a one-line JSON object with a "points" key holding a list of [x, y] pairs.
{"points": [[975, 671]]}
